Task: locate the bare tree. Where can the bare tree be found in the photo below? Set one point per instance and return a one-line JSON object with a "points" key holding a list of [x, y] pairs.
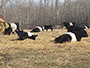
{"points": [[43, 12], [3, 7]]}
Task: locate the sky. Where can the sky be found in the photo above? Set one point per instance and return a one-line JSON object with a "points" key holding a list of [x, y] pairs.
{"points": [[52, 0], [61, 1]]}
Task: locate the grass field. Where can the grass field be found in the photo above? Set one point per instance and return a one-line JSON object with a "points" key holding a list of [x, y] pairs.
{"points": [[43, 52]]}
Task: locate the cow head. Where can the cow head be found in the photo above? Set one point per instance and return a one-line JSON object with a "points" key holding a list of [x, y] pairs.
{"points": [[68, 24]]}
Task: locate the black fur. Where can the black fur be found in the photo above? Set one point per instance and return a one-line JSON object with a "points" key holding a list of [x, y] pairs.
{"points": [[80, 34], [74, 27], [67, 38], [63, 38], [23, 35], [48, 27], [8, 30], [36, 30], [67, 24]]}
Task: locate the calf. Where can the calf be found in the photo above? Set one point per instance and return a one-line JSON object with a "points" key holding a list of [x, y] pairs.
{"points": [[71, 36], [23, 35], [48, 27], [38, 29], [12, 28]]}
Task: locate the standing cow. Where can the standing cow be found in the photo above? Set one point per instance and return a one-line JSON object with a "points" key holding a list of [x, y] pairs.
{"points": [[48, 27]]}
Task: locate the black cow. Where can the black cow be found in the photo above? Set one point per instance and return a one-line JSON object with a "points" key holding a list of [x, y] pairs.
{"points": [[48, 27], [83, 25], [68, 24], [74, 26], [23, 35], [12, 28], [71, 36], [38, 29]]}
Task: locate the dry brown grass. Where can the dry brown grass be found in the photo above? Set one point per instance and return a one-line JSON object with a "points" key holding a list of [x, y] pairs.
{"points": [[43, 52]]}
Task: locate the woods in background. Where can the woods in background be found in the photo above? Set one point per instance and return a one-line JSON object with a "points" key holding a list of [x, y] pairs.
{"points": [[30, 13]]}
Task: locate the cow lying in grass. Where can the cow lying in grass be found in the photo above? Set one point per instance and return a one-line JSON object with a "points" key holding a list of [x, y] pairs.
{"points": [[75, 33], [38, 29], [23, 35], [48, 27], [71, 36], [12, 28]]}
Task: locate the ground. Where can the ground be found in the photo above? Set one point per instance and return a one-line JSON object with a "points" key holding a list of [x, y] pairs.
{"points": [[43, 52]]}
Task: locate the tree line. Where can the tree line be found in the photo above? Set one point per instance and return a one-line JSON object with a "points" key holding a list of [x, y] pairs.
{"points": [[30, 13]]}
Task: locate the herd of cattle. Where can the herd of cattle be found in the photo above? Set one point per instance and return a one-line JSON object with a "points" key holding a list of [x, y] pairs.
{"points": [[74, 32]]}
